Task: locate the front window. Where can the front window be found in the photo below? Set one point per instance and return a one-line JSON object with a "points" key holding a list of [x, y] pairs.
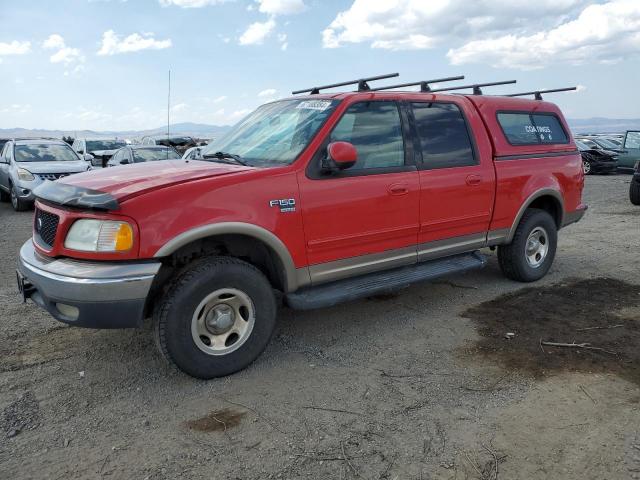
{"points": [[632, 140], [152, 154], [44, 152], [276, 133], [97, 145]]}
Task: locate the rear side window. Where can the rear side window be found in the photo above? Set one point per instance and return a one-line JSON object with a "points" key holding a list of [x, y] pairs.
{"points": [[523, 128], [443, 135], [375, 130]]}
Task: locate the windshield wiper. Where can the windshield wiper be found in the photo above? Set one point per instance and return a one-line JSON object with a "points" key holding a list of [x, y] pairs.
{"points": [[226, 156]]}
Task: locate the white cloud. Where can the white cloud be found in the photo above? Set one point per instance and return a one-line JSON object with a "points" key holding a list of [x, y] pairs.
{"points": [[112, 44], [240, 113], [269, 92], [219, 99], [580, 88], [14, 48], [16, 108], [189, 3], [282, 38], [54, 41], [420, 24], [179, 107], [605, 33], [257, 32], [281, 7]]}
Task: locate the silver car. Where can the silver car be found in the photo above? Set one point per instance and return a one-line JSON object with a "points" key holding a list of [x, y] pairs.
{"points": [[26, 163]]}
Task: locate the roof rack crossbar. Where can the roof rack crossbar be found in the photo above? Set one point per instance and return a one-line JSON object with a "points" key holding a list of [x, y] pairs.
{"points": [[424, 84], [476, 87], [538, 93], [362, 83]]}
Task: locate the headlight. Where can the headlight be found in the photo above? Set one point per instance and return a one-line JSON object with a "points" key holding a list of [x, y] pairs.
{"points": [[90, 235], [25, 175]]}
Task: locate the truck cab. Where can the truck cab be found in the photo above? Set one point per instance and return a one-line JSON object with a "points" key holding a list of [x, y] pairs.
{"points": [[309, 201]]}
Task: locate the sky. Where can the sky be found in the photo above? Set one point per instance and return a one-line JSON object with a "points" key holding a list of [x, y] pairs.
{"points": [[103, 64]]}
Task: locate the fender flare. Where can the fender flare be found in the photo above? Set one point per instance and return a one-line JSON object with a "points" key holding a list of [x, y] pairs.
{"points": [[238, 228], [530, 199]]}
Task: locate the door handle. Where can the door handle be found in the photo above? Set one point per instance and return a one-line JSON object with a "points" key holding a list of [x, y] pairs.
{"points": [[398, 189], [473, 180]]}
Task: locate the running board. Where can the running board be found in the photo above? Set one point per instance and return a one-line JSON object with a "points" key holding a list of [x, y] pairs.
{"points": [[329, 294]]}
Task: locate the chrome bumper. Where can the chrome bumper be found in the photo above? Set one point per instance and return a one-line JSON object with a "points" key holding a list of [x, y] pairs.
{"points": [[87, 294]]}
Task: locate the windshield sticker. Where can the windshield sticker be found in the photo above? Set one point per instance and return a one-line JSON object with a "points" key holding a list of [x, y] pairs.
{"points": [[320, 105]]}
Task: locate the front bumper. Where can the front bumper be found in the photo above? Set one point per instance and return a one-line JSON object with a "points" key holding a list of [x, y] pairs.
{"points": [[86, 294]]}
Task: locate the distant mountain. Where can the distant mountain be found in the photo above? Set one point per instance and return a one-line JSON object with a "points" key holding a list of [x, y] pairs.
{"points": [[603, 125], [199, 130]]}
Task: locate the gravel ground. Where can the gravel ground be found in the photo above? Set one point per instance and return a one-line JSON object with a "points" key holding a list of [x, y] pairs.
{"points": [[388, 387]]}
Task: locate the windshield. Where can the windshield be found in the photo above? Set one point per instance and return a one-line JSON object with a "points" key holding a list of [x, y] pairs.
{"points": [[603, 142], [93, 145], [153, 154], [589, 143], [582, 146], [275, 133], [45, 152]]}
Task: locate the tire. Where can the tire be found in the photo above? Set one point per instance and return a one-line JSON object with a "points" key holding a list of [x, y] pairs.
{"points": [[4, 196], [586, 167], [215, 299], [634, 192], [17, 203], [523, 265]]}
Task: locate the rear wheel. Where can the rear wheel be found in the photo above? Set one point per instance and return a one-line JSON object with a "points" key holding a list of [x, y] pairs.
{"points": [[634, 191], [531, 252], [216, 318]]}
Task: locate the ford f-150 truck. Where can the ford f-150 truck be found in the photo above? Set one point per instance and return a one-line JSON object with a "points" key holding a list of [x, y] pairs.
{"points": [[309, 201]]}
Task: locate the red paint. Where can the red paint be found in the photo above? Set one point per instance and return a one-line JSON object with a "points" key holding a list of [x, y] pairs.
{"points": [[339, 217]]}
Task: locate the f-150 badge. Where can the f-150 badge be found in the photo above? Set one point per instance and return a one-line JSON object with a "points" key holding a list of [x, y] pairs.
{"points": [[285, 204]]}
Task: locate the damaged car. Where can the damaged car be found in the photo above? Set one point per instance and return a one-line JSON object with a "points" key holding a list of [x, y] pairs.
{"points": [[97, 151]]}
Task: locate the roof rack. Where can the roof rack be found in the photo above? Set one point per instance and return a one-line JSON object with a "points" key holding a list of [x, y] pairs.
{"points": [[538, 93], [362, 83], [424, 85], [476, 87]]}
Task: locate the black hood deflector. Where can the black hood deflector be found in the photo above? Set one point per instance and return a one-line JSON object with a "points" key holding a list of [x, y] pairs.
{"points": [[73, 196]]}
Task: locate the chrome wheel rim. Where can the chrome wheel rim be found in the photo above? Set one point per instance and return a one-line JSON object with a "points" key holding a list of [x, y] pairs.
{"points": [[223, 321], [586, 167], [537, 247]]}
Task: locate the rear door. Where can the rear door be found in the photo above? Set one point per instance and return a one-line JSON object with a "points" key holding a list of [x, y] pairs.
{"points": [[631, 150], [364, 218], [457, 178]]}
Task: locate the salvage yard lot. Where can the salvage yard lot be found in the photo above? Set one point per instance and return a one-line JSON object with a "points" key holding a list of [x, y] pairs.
{"points": [[420, 384]]}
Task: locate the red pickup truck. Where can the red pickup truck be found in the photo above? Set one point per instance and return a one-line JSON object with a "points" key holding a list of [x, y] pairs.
{"points": [[309, 201]]}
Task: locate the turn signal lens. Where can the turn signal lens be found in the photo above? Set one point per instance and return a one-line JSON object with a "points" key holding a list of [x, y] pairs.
{"points": [[89, 235]]}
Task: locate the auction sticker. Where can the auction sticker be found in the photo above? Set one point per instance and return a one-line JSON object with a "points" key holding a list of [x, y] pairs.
{"points": [[320, 105]]}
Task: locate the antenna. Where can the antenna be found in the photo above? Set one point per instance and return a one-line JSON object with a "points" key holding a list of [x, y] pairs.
{"points": [[424, 85], [476, 87], [168, 112], [363, 86], [538, 93]]}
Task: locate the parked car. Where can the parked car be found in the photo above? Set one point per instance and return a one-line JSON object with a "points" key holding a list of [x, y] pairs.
{"points": [[2, 142], [27, 163], [596, 160], [634, 188], [142, 153], [631, 153], [315, 200], [603, 143], [98, 151], [180, 143]]}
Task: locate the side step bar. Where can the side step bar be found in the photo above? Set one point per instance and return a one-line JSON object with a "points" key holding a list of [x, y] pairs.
{"points": [[329, 294]]}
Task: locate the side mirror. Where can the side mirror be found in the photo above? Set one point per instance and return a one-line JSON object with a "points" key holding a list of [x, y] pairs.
{"points": [[96, 162], [86, 156], [342, 155]]}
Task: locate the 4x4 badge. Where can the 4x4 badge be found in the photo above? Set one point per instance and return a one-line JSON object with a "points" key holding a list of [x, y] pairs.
{"points": [[285, 204]]}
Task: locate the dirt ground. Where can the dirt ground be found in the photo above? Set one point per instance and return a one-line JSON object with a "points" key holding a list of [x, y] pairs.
{"points": [[418, 385]]}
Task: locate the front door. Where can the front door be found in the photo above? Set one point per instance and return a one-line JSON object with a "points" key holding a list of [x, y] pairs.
{"points": [[364, 218], [631, 150], [457, 182]]}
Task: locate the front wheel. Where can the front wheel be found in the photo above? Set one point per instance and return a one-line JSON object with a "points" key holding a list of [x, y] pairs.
{"points": [[216, 318], [17, 203], [634, 191], [586, 167], [531, 252]]}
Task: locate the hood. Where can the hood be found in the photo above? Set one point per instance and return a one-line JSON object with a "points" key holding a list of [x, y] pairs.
{"points": [[127, 181], [102, 153], [54, 167]]}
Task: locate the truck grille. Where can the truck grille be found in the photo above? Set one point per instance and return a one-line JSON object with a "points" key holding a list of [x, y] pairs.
{"points": [[52, 176], [45, 226]]}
